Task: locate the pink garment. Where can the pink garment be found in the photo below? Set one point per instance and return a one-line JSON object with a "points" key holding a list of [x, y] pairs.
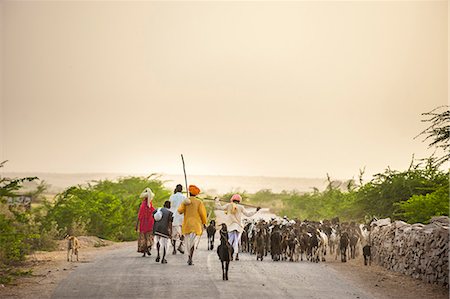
{"points": [[236, 197], [145, 217]]}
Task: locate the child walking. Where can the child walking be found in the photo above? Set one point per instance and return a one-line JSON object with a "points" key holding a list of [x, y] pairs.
{"points": [[162, 230]]}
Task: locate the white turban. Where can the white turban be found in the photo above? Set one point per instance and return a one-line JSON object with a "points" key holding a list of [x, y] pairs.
{"points": [[148, 193]]}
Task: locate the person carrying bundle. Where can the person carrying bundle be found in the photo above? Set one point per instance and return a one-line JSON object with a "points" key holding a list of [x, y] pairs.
{"points": [[145, 221], [234, 220], [162, 229]]}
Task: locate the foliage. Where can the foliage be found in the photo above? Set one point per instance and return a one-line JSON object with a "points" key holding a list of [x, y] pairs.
{"points": [[105, 209], [420, 188], [438, 132], [379, 196], [420, 208], [16, 230]]}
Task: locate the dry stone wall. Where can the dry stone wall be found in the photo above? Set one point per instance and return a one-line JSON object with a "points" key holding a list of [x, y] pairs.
{"points": [[418, 250]]}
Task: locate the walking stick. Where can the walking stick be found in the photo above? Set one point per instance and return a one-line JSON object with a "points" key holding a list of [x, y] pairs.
{"points": [[203, 229], [185, 177]]}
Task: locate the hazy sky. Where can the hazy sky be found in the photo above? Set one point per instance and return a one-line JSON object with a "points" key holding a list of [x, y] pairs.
{"points": [[241, 88]]}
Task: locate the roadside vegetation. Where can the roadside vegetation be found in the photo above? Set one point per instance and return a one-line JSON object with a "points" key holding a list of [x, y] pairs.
{"points": [[413, 195]]}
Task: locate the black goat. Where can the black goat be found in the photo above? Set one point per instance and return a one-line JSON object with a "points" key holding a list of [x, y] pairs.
{"points": [[343, 245], [224, 251], [367, 254], [211, 231]]}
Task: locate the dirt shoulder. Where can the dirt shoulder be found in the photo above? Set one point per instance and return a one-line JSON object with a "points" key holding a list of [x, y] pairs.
{"points": [[383, 283], [50, 268]]}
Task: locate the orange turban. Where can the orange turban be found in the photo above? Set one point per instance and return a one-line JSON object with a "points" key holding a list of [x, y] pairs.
{"points": [[194, 190]]}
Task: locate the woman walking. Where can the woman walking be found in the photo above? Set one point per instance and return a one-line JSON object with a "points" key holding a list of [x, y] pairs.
{"points": [[234, 220], [145, 222]]}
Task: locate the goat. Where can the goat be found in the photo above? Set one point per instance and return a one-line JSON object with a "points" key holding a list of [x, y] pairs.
{"points": [[211, 231], [367, 254], [343, 245], [225, 251]]}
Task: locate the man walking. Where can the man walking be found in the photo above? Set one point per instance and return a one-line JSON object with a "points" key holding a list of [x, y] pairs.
{"points": [[194, 220], [175, 201], [162, 230]]}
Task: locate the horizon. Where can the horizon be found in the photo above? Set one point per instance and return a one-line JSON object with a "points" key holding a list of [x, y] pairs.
{"points": [[287, 89]]}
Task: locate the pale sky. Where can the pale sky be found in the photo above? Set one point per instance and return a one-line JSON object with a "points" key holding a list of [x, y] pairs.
{"points": [[293, 89]]}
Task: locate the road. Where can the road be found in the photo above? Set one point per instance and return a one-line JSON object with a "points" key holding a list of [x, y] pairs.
{"points": [[123, 273]]}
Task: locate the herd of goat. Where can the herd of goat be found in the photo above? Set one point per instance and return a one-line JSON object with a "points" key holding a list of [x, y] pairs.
{"points": [[293, 240]]}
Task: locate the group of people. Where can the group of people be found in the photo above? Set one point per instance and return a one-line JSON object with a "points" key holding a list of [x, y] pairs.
{"points": [[182, 219]]}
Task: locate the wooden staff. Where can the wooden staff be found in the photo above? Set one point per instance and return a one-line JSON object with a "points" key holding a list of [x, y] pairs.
{"points": [[227, 201], [207, 220], [185, 177]]}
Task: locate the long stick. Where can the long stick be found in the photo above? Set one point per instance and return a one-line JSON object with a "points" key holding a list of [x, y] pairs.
{"points": [[185, 177], [207, 220], [223, 200]]}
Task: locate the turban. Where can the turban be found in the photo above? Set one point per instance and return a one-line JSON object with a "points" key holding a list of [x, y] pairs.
{"points": [[194, 190], [236, 197], [148, 193]]}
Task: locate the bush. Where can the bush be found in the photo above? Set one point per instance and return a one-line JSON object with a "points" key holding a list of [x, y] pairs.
{"points": [[420, 208], [107, 209]]}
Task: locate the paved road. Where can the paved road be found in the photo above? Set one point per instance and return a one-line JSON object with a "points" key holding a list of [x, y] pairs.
{"points": [[123, 273]]}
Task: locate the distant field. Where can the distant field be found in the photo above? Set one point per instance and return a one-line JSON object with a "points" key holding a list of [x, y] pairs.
{"points": [[209, 184]]}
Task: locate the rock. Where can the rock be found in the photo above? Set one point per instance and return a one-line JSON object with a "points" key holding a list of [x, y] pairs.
{"points": [[381, 222], [442, 220]]}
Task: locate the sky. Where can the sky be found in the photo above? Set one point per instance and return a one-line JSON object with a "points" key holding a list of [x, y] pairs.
{"points": [[290, 89]]}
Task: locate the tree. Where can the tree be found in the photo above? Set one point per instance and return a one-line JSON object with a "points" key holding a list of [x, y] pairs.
{"points": [[438, 132]]}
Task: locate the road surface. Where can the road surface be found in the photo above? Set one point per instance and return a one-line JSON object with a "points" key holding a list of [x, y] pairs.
{"points": [[123, 273]]}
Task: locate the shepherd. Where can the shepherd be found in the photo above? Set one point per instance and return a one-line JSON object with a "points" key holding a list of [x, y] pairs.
{"points": [[175, 201], [162, 230], [194, 220], [234, 222], [145, 222]]}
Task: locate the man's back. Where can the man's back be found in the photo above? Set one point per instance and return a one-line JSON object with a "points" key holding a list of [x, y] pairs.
{"points": [[194, 216], [175, 202]]}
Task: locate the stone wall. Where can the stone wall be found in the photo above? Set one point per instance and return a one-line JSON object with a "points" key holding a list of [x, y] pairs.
{"points": [[418, 250]]}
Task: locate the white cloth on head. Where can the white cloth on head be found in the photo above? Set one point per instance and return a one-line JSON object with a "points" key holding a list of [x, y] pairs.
{"points": [[234, 237], [191, 240], [175, 201], [148, 193], [162, 242]]}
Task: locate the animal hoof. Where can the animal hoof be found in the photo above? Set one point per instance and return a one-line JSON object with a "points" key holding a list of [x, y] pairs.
{"points": [[164, 261], [157, 259]]}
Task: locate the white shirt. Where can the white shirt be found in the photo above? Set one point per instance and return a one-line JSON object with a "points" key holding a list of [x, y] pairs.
{"points": [[234, 221], [175, 201]]}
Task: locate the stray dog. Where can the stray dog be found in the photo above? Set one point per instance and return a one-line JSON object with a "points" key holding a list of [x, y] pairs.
{"points": [[72, 247], [224, 251], [211, 231]]}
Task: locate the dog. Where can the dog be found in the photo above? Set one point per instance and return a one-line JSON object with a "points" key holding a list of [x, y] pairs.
{"points": [[73, 245]]}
